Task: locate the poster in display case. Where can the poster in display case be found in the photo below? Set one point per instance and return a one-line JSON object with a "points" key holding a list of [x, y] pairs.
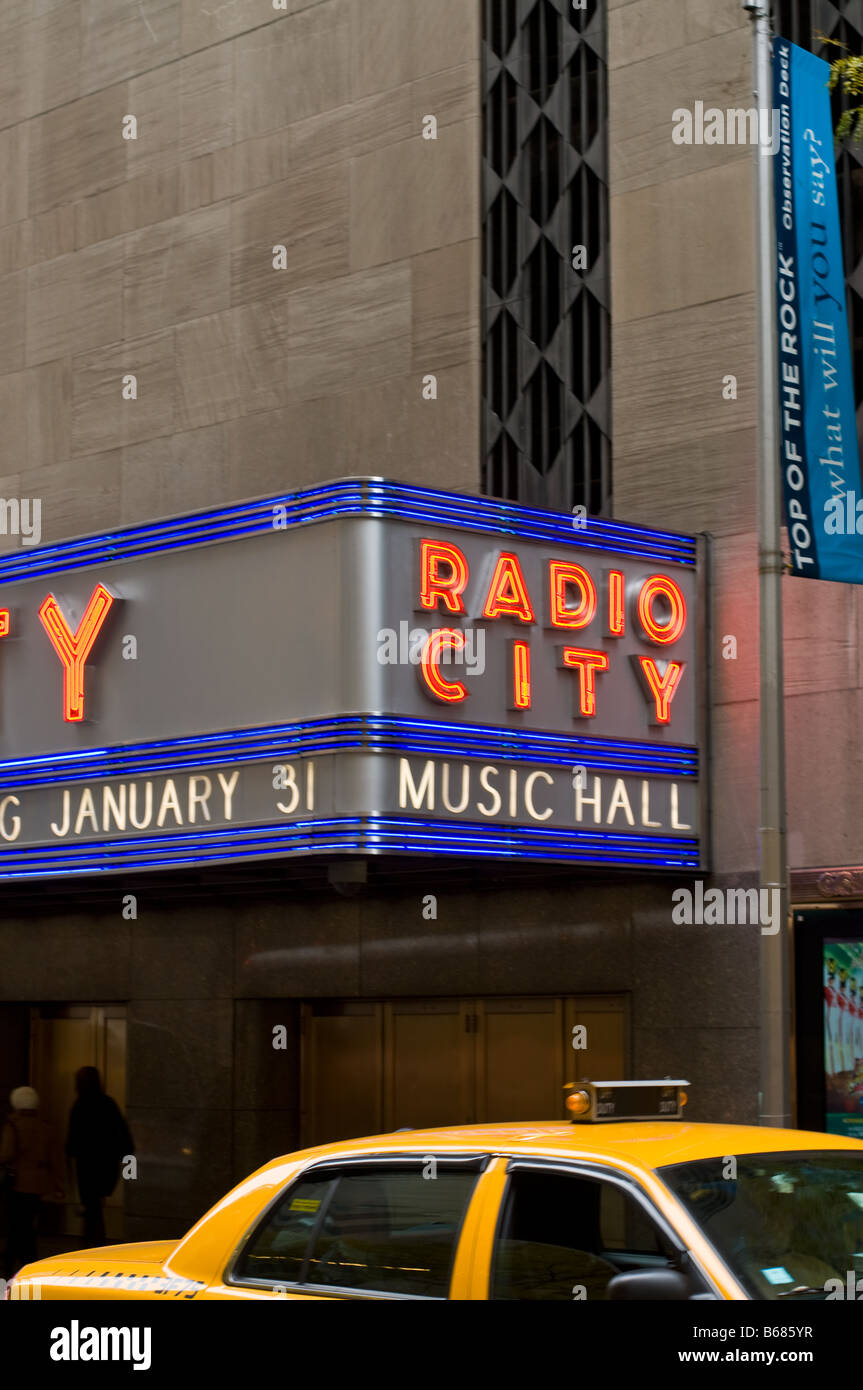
{"points": [[843, 1036], [828, 1019]]}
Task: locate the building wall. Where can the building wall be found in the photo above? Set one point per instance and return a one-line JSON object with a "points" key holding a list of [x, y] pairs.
{"points": [[154, 256], [683, 285], [208, 1096]]}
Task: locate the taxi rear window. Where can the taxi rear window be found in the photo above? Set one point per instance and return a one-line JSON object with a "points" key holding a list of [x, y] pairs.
{"points": [[788, 1225], [376, 1229]]}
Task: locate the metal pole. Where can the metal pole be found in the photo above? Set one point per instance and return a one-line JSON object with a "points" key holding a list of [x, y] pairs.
{"points": [[775, 1092]]}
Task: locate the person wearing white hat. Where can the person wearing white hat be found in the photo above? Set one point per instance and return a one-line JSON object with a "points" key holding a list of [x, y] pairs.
{"points": [[30, 1157], [25, 1099]]}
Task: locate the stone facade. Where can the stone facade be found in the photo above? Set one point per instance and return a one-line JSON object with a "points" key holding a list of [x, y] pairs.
{"points": [[154, 256], [682, 221], [209, 1098], [303, 128]]}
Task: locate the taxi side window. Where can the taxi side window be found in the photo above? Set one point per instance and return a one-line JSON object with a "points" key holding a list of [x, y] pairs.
{"points": [[564, 1237], [376, 1229], [277, 1251], [626, 1226]]}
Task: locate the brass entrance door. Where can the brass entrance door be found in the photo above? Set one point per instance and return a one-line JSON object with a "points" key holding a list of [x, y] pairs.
{"points": [[62, 1039], [371, 1067]]}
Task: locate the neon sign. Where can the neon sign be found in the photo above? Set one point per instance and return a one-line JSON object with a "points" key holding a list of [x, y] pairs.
{"points": [[73, 648], [507, 597], [532, 650], [442, 639]]}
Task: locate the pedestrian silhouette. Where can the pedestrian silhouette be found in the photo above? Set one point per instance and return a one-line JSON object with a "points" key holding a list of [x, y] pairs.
{"points": [[31, 1161], [98, 1141]]}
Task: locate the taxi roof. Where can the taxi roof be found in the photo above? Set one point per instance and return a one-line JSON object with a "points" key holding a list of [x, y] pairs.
{"points": [[648, 1144], [635, 1147]]}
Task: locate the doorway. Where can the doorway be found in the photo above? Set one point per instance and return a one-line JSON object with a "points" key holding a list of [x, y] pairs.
{"points": [[369, 1067], [63, 1038]]}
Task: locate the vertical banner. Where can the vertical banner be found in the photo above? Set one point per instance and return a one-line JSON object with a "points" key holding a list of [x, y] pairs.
{"points": [[817, 422]]}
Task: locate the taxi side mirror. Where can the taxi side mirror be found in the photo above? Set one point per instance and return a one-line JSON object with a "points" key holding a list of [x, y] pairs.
{"points": [[650, 1284]]}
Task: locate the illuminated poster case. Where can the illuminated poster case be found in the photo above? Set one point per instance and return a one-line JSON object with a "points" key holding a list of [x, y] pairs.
{"points": [[362, 667], [829, 990]]}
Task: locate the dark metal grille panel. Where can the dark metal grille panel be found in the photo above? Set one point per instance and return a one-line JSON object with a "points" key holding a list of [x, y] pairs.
{"points": [[792, 19], [802, 21], [546, 325]]}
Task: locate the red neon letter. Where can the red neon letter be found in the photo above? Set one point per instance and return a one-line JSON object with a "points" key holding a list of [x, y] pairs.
{"points": [[616, 608], [449, 692], [654, 587], [521, 675], [587, 664], [74, 648], [561, 573], [662, 687], [507, 592], [4, 622], [433, 584]]}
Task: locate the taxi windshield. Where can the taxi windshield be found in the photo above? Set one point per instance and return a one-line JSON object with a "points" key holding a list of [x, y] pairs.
{"points": [[788, 1225]]}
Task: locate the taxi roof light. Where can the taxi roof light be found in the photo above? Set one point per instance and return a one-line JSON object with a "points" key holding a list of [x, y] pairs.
{"points": [[595, 1102], [578, 1103]]}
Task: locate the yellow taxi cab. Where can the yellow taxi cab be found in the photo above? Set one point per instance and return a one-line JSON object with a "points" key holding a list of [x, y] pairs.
{"points": [[626, 1201]]}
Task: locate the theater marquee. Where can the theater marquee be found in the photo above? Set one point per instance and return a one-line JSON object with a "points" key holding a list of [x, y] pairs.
{"points": [[362, 667]]}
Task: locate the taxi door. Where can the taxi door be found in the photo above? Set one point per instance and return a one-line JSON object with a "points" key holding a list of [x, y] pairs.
{"points": [[559, 1230], [376, 1226]]}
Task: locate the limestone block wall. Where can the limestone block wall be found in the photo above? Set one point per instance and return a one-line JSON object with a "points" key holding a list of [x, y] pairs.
{"points": [[683, 304], [256, 127]]}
